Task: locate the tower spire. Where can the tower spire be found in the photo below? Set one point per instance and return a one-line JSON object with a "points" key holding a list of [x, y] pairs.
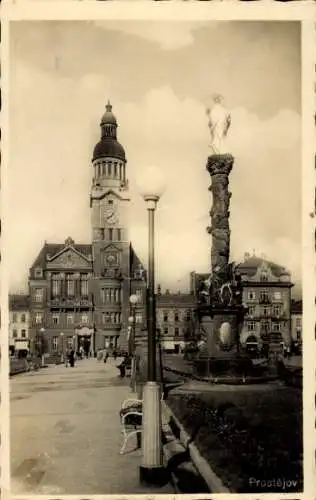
{"points": [[108, 107]]}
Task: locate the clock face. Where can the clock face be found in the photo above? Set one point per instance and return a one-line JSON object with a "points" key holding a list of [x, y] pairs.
{"points": [[110, 215]]}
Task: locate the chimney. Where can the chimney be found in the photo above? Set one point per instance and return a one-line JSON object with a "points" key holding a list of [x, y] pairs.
{"points": [[247, 256]]}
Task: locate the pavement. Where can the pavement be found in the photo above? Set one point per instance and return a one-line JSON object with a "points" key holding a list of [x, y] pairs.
{"points": [[65, 432]]}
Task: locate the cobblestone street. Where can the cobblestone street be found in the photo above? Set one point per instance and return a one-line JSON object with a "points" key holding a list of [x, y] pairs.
{"points": [[65, 432]]}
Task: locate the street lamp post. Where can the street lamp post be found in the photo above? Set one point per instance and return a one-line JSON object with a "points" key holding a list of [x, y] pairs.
{"points": [[42, 331], [132, 321], [62, 346], [152, 470]]}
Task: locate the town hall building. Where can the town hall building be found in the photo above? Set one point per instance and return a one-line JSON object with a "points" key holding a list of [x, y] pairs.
{"points": [[79, 293]]}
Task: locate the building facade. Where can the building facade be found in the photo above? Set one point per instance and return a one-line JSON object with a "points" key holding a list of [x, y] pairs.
{"points": [[267, 295], [19, 320], [79, 293], [174, 313], [296, 321]]}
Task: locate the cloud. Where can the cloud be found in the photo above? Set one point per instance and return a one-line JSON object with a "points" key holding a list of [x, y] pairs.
{"points": [[165, 34], [55, 125]]}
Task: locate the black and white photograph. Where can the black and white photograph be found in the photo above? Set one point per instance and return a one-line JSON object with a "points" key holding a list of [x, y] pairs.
{"points": [[154, 249]]}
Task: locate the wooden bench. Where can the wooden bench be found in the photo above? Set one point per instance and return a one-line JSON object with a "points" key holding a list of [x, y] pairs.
{"points": [[131, 416]]}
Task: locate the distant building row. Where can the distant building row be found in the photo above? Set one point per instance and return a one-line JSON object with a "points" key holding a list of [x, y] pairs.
{"points": [[61, 307]]}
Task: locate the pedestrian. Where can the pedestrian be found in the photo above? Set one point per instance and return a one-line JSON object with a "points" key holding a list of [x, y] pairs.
{"points": [[67, 358], [72, 358], [106, 356], [114, 355]]}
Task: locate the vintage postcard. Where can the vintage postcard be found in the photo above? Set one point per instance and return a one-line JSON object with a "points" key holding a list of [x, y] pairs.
{"points": [[158, 190]]}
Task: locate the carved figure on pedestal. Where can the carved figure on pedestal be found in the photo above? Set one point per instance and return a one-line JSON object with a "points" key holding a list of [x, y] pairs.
{"points": [[219, 124]]}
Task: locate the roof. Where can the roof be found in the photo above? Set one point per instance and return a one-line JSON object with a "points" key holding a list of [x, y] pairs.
{"points": [[54, 248], [135, 263], [18, 302], [176, 300], [251, 265], [108, 147]]}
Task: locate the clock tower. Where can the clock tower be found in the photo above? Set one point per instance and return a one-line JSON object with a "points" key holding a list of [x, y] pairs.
{"points": [[111, 249]]}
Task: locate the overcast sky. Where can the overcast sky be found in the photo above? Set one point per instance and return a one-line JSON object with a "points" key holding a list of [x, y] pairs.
{"points": [[159, 77]]}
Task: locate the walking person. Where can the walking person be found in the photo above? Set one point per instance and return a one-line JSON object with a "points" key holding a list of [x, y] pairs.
{"points": [[72, 358], [67, 358], [106, 356]]}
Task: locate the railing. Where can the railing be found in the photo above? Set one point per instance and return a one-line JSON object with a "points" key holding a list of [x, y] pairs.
{"points": [[61, 302]]}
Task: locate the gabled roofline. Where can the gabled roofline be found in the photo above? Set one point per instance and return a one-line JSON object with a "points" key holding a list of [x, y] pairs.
{"points": [[63, 250]]}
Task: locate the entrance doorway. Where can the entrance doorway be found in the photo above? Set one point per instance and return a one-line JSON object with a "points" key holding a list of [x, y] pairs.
{"points": [[84, 343]]}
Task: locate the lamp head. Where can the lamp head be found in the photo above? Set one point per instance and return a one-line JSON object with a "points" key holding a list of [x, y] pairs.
{"points": [[130, 319], [151, 185], [133, 299], [42, 330]]}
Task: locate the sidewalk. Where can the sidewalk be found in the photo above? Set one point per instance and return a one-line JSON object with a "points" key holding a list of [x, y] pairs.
{"points": [[65, 432]]}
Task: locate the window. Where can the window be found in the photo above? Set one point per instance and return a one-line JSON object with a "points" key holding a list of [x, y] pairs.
{"points": [[84, 285], [22, 318], [176, 316], [165, 316], [276, 327], [38, 272], [38, 318], [188, 315], [110, 202], [278, 295], [38, 294], [55, 343], [176, 332], [264, 295], [263, 277], [251, 295], [165, 331], [110, 234], [23, 334], [14, 317], [251, 326], [84, 318], [119, 234], [277, 310], [251, 310], [55, 318], [265, 326], [70, 285], [139, 317], [69, 342], [55, 286], [298, 322], [70, 319], [266, 311], [117, 295], [14, 334], [106, 318]]}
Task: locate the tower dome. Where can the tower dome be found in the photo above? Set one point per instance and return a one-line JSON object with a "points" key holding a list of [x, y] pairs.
{"points": [[108, 146]]}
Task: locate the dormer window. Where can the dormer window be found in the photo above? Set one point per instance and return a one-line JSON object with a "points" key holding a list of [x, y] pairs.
{"points": [[38, 273]]}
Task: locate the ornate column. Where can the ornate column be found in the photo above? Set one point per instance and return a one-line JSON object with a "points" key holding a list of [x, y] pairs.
{"points": [[219, 168]]}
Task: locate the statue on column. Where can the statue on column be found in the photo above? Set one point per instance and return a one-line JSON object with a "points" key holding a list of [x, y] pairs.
{"points": [[219, 124]]}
